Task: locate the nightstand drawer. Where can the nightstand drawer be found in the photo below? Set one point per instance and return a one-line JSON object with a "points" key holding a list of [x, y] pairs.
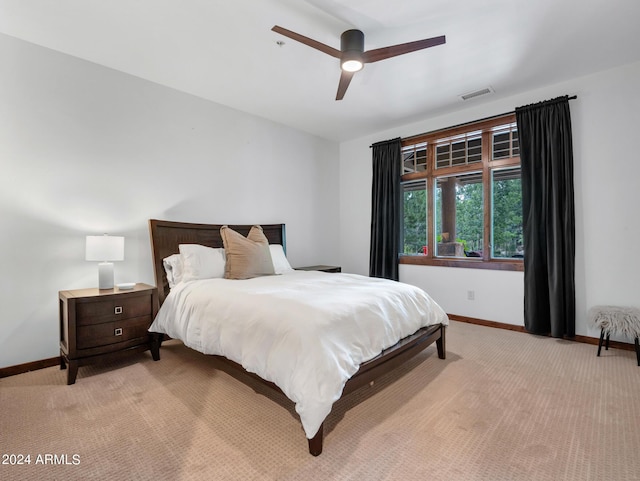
{"points": [[106, 333], [102, 311]]}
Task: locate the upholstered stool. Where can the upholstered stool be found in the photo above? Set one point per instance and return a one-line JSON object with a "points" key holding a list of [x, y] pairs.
{"points": [[613, 319]]}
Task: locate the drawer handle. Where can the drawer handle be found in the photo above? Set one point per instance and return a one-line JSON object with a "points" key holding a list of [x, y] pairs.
{"points": [[118, 331], [118, 310]]}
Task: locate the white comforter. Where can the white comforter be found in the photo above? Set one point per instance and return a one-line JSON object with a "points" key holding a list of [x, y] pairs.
{"points": [[307, 332]]}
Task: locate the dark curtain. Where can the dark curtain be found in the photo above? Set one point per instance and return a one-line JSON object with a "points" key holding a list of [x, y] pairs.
{"points": [[546, 157], [386, 205]]}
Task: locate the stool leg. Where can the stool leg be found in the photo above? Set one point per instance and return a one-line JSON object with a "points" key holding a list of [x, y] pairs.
{"points": [[638, 351], [600, 341], [606, 343]]}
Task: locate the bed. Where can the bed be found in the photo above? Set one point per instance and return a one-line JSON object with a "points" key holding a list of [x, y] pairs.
{"points": [[208, 315]]}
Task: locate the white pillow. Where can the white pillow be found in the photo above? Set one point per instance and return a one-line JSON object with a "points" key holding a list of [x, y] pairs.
{"points": [[201, 262], [280, 262], [173, 269]]}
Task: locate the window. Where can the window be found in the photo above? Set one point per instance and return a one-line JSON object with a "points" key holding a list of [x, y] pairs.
{"points": [[506, 214], [458, 214], [414, 231], [463, 197], [461, 150], [414, 158], [505, 142]]}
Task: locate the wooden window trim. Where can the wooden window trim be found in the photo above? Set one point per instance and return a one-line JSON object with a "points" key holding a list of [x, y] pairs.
{"points": [[467, 263], [431, 137], [485, 166]]}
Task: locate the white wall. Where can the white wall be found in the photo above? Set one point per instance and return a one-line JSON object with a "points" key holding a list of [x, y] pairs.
{"points": [[87, 150], [605, 120]]}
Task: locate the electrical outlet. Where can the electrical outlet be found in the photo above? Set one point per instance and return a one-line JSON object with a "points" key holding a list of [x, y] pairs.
{"points": [[471, 295]]}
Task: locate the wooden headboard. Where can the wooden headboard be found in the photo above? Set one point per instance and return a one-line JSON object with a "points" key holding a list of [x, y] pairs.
{"points": [[166, 236]]}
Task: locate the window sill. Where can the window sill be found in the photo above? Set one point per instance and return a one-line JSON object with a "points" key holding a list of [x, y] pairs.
{"points": [[468, 263]]}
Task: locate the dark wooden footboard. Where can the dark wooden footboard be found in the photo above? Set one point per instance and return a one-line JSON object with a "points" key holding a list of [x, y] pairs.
{"points": [[385, 362], [369, 371]]}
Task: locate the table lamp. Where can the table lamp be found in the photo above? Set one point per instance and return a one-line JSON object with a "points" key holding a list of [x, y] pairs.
{"points": [[105, 248]]}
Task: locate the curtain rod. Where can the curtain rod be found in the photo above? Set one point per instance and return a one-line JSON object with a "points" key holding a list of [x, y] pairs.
{"points": [[572, 97]]}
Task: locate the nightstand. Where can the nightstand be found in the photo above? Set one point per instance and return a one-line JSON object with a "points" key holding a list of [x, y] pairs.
{"points": [[320, 268], [101, 324]]}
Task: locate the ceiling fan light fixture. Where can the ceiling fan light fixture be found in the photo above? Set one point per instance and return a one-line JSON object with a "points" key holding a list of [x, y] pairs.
{"points": [[351, 46], [352, 65]]}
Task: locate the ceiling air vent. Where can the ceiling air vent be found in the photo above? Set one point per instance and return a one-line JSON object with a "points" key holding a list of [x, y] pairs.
{"points": [[476, 93]]}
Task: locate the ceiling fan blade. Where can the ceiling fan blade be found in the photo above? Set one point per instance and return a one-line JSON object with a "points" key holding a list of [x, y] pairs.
{"points": [[395, 50], [307, 41], [345, 80]]}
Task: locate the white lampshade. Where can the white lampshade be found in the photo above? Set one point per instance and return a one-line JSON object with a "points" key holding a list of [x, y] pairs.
{"points": [[105, 248]]}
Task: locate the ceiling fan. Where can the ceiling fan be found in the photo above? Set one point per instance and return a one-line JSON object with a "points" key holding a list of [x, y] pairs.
{"points": [[352, 55]]}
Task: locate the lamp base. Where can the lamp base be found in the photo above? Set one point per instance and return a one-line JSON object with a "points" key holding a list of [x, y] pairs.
{"points": [[105, 275]]}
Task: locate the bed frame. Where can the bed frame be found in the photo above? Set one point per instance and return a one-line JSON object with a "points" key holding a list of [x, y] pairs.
{"points": [[166, 236]]}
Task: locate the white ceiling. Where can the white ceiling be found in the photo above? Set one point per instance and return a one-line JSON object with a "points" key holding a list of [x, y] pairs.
{"points": [[225, 51]]}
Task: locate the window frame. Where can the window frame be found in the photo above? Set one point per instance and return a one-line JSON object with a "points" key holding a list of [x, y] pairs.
{"points": [[486, 165]]}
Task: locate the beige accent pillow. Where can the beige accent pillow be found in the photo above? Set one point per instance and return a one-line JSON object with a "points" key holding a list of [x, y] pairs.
{"points": [[247, 257]]}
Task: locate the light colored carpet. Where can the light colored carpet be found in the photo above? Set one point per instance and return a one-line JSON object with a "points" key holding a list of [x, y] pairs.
{"points": [[503, 406]]}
